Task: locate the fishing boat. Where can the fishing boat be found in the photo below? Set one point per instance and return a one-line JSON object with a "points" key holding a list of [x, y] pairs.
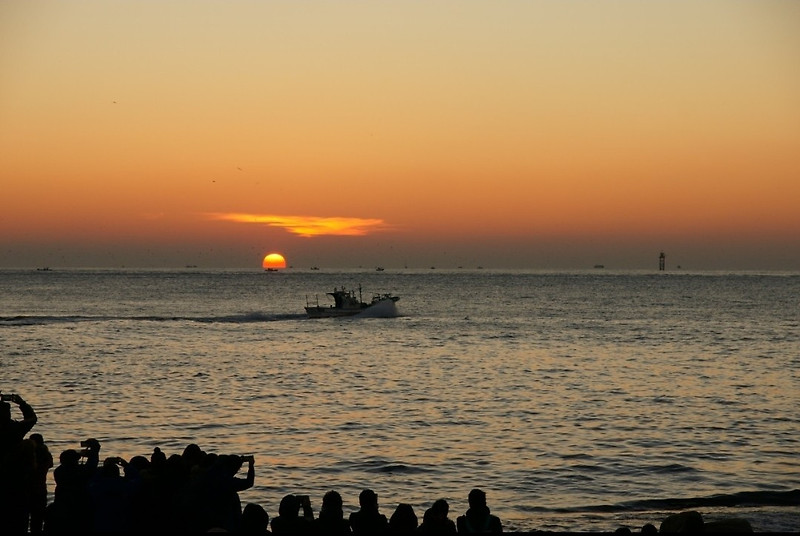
{"points": [[346, 303]]}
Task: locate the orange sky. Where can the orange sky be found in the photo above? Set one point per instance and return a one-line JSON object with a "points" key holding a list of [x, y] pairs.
{"points": [[506, 134]]}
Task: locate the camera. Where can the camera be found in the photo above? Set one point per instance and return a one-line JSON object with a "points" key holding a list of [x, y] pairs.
{"points": [[91, 444], [6, 398], [248, 459]]}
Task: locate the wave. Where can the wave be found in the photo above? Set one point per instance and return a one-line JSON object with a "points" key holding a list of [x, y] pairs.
{"points": [[39, 320], [740, 499], [384, 309], [380, 465]]}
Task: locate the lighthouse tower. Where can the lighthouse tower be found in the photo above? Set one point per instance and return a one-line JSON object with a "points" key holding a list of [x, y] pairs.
{"points": [[661, 262]]}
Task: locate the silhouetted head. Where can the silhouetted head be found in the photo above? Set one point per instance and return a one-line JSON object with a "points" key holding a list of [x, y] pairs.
{"points": [[138, 463], [477, 498], [158, 457], [230, 463], [289, 507], [70, 457], [193, 455], [110, 469], [332, 503], [404, 519], [254, 519], [440, 508], [38, 439], [368, 500], [649, 528]]}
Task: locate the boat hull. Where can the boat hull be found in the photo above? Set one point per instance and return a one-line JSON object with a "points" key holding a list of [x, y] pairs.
{"points": [[330, 312], [380, 308]]}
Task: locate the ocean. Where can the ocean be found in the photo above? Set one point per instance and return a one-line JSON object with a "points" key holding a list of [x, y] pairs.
{"points": [[579, 401]]}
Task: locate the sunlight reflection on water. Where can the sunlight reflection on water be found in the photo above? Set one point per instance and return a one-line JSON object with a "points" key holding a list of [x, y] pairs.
{"points": [[585, 392]]}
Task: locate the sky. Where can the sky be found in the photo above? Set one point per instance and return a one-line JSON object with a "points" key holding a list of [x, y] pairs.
{"points": [[502, 134]]}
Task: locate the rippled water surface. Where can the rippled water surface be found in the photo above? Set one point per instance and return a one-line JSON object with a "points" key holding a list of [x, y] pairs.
{"points": [[578, 401]]}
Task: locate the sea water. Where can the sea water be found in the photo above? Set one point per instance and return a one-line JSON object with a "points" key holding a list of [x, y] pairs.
{"points": [[579, 401]]}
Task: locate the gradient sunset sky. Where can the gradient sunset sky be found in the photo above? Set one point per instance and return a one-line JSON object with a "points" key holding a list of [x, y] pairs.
{"points": [[506, 134]]}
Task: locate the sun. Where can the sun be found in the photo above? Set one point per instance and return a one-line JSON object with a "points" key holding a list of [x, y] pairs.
{"points": [[273, 261]]}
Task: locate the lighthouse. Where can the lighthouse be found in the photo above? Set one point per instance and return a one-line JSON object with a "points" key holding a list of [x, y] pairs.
{"points": [[662, 259]]}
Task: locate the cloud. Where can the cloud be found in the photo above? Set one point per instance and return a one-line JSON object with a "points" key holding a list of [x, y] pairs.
{"points": [[308, 226]]}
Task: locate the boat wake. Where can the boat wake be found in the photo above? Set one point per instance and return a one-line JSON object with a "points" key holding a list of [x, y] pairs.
{"points": [[244, 318], [384, 309]]}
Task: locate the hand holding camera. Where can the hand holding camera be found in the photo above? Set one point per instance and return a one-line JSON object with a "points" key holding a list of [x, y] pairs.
{"points": [[90, 446]]}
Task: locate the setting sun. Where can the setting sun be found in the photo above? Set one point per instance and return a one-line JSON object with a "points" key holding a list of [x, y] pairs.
{"points": [[273, 261]]}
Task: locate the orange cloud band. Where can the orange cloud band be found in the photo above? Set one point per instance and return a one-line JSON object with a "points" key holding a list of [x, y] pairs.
{"points": [[308, 226]]}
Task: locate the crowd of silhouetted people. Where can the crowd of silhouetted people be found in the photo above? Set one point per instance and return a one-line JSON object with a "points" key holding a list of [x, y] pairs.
{"points": [[194, 491]]}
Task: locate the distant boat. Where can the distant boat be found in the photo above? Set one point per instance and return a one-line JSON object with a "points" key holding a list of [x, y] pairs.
{"points": [[379, 269], [44, 269], [270, 269], [315, 267], [347, 304], [599, 266]]}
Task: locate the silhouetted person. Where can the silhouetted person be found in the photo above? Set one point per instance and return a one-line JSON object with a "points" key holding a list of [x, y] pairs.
{"points": [[71, 510], [13, 496], [255, 520], [331, 516], [112, 497], [196, 508], [193, 455], [20, 481], [158, 458], [403, 520], [13, 431], [478, 519], [368, 520], [224, 486], [435, 520], [162, 493], [289, 520], [38, 498]]}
